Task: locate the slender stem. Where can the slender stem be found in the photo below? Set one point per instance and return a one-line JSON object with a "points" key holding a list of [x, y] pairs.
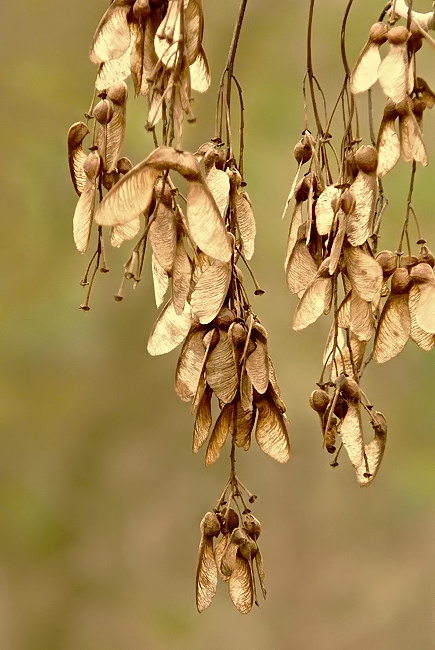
{"points": [[310, 68]]}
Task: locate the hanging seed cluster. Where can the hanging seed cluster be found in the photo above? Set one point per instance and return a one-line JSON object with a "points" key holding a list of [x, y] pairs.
{"points": [[379, 300], [198, 241]]}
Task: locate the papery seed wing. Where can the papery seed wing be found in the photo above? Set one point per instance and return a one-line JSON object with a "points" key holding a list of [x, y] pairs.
{"points": [[83, 216], [168, 36], [130, 197], [359, 222], [143, 58], [163, 235], [228, 560], [337, 244], [352, 435], [361, 317], [240, 584], [261, 572], [181, 277], [219, 185], [206, 574], [111, 137], [169, 330], [246, 390], [324, 210], [343, 316], [257, 367], [425, 309], [76, 155], [194, 26], [125, 232], [246, 224], [221, 370], [155, 109], [271, 432], [393, 73], [365, 72], [114, 71], [219, 553], [203, 420], [313, 302], [388, 147], [200, 79], [425, 340], [221, 429], [112, 36], [374, 451], [301, 268], [364, 272], [244, 425], [210, 291], [190, 364], [160, 278], [205, 223], [394, 328], [411, 141], [295, 223]]}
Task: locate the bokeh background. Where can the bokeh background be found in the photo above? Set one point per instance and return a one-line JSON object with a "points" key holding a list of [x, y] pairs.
{"points": [[100, 495]]}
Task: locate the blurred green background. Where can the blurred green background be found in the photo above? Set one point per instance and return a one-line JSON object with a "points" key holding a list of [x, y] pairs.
{"points": [[100, 495]]}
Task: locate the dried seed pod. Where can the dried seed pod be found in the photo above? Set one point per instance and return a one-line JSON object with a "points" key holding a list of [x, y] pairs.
{"points": [[76, 155], [427, 256], [366, 159], [319, 400], [350, 389], [388, 261], [388, 143], [393, 70], [302, 152], [400, 280], [421, 273], [124, 165], [365, 72], [103, 111]]}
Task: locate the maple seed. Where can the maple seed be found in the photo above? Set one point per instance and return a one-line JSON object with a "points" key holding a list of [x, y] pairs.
{"points": [[319, 400], [302, 152], [378, 33], [103, 111], [398, 35], [388, 261], [366, 159]]}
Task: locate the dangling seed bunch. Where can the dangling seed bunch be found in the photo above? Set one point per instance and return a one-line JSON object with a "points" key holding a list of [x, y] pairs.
{"points": [[197, 243], [332, 262]]}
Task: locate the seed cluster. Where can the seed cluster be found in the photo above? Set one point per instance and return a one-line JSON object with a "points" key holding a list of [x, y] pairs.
{"points": [[198, 240], [332, 262]]}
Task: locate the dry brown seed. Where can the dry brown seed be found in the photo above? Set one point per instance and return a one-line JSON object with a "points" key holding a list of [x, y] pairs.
{"points": [[364, 272], [181, 277], [206, 572], [210, 291], [169, 330], [203, 420], [76, 155], [257, 366], [224, 318], [124, 165], [350, 389], [422, 272], [424, 340], [160, 277], [365, 72], [271, 432], [190, 364], [398, 35], [141, 9], [411, 141], [425, 309], [378, 33], [388, 261], [83, 216], [103, 111], [319, 400], [324, 209], [301, 268], [366, 158], [400, 280], [302, 152], [427, 256], [241, 587], [427, 94], [361, 320], [219, 185], [200, 78], [393, 70], [222, 428], [221, 370], [388, 143], [246, 223]]}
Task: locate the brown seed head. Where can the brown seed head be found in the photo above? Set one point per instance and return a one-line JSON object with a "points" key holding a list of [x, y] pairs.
{"points": [[91, 165], [398, 35], [422, 273], [124, 165], [118, 93], [231, 521], [400, 280], [319, 400], [350, 389], [103, 111], [366, 158], [224, 318], [426, 255], [348, 202], [141, 9], [378, 33], [302, 152], [407, 261], [388, 260]]}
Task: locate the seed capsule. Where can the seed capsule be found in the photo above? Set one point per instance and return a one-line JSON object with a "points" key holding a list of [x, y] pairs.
{"points": [[350, 389], [387, 260], [124, 165], [378, 33], [91, 165], [348, 202], [302, 152], [366, 158], [103, 111], [421, 273], [118, 93], [407, 261], [426, 255], [398, 35], [400, 280], [319, 400]]}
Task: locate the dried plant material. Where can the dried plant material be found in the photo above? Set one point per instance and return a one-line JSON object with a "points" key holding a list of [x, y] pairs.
{"points": [[424, 340], [301, 268], [160, 278], [168, 36], [394, 328], [365, 72], [223, 427], [143, 58], [125, 232], [364, 272], [411, 141], [337, 244], [112, 36], [113, 71], [324, 209], [221, 370], [359, 222], [181, 277], [190, 364], [295, 223], [246, 224], [425, 309], [361, 320], [352, 435], [206, 573], [169, 330], [194, 19], [203, 420], [393, 71], [270, 431], [84, 212], [388, 144], [219, 185], [200, 78], [111, 137], [316, 300], [210, 291], [373, 451], [205, 223], [244, 424], [240, 586], [76, 155], [163, 233]]}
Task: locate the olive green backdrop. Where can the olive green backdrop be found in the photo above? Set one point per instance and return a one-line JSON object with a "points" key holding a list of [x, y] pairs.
{"points": [[100, 496]]}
